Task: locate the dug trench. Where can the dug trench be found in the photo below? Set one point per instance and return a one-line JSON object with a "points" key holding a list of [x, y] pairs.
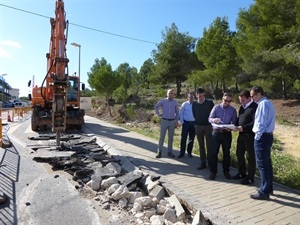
{"points": [[118, 188]]}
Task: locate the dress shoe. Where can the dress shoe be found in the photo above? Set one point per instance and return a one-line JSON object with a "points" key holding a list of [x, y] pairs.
{"points": [[2, 198], [158, 155], [180, 156], [170, 154], [239, 176], [190, 155], [258, 196], [201, 167], [227, 175], [270, 192], [212, 176], [247, 181]]}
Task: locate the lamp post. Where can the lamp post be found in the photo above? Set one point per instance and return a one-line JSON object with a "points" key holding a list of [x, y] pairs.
{"points": [[79, 47], [2, 75]]}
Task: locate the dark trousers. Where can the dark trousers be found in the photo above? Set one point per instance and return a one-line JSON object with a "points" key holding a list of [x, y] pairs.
{"points": [[245, 145], [224, 140], [188, 130], [204, 132], [262, 149]]}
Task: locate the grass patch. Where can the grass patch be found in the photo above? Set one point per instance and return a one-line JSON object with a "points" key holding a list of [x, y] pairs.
{"points": [[283, 121]]}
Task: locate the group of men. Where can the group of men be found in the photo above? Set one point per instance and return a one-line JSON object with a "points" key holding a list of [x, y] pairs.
{"points": [[213, 125]]}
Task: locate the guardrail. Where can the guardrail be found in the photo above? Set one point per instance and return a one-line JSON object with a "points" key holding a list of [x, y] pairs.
{"points": [[10, 114]]}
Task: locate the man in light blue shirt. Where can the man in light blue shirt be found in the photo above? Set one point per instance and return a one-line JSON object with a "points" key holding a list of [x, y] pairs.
{"points": [[188, 126], [264, 125]]}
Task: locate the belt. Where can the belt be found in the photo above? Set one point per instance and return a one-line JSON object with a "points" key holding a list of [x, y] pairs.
{"points": [[246, 134], [168, 119], [268, 133], [186, 121], [222, 131]]}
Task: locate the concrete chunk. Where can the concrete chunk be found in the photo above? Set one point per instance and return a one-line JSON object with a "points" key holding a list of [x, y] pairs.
{"points": [[158, 192], [199, 219], [180, 213], [130, 178], [127, 166]]}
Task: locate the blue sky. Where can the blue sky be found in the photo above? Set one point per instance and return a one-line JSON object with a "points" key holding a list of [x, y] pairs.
{"points": [[25, 38]]}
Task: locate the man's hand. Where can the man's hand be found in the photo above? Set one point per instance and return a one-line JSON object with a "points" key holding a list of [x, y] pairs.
{"points": [[239, 128], [217, 120]]}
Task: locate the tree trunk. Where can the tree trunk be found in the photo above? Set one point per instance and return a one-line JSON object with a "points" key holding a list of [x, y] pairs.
{"points": [[223, 85], [107, 105], [236, 84], [109, 110], [212, 85], [283, 88], [178, 84], [216, 95]]}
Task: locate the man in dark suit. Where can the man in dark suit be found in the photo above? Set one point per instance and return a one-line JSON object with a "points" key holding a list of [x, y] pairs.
{"points": [[245, 141]]}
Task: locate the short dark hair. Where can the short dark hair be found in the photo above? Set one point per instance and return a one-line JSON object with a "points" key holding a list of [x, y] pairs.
{"points": [[200, 91], [258, 89], [227, 94], [245, 94]]}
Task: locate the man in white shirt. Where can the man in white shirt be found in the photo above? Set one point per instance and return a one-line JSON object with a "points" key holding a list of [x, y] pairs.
{"points": [[188, 126]]}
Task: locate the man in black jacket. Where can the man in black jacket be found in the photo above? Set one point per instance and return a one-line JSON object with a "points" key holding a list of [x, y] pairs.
{"points": [[245, 141]]}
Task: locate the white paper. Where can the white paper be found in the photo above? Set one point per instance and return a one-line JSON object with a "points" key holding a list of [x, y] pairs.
{"points": [[224, 126]]}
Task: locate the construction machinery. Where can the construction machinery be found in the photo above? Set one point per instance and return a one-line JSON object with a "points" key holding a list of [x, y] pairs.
{"points": [[56, 102]]}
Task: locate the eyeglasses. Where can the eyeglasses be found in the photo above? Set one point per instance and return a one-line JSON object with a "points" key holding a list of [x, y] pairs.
{"points": [[227, 100]]}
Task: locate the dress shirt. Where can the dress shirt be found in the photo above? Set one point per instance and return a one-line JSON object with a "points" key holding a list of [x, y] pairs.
{"points": [[170, 109], [227, 114], [186, 112], [264, 118], [249, 103]]}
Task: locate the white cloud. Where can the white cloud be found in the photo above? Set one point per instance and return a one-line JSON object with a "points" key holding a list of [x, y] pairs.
{"points": [[3, 53], [11, 43], [8, 44]]}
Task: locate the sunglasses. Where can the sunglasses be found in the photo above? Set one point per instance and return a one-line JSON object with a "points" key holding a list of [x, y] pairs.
{"points": [[227, 100]]}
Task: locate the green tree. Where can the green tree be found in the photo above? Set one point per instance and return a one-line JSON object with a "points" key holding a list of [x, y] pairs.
{"points": [[146, 72], [103, 79], [197, 66], [126, 74], [216, 50], [172, 57], [137, 81], [268, 41]]}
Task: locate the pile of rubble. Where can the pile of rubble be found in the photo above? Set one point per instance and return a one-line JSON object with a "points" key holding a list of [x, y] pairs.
{"points": [[140, 194]]}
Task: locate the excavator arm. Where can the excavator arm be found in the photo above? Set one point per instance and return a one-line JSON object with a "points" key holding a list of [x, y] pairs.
{"points": [[57, 77], [56, 102]]}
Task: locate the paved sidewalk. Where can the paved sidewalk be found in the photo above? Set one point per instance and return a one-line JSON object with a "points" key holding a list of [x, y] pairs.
{"points": [[222, 201]]}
